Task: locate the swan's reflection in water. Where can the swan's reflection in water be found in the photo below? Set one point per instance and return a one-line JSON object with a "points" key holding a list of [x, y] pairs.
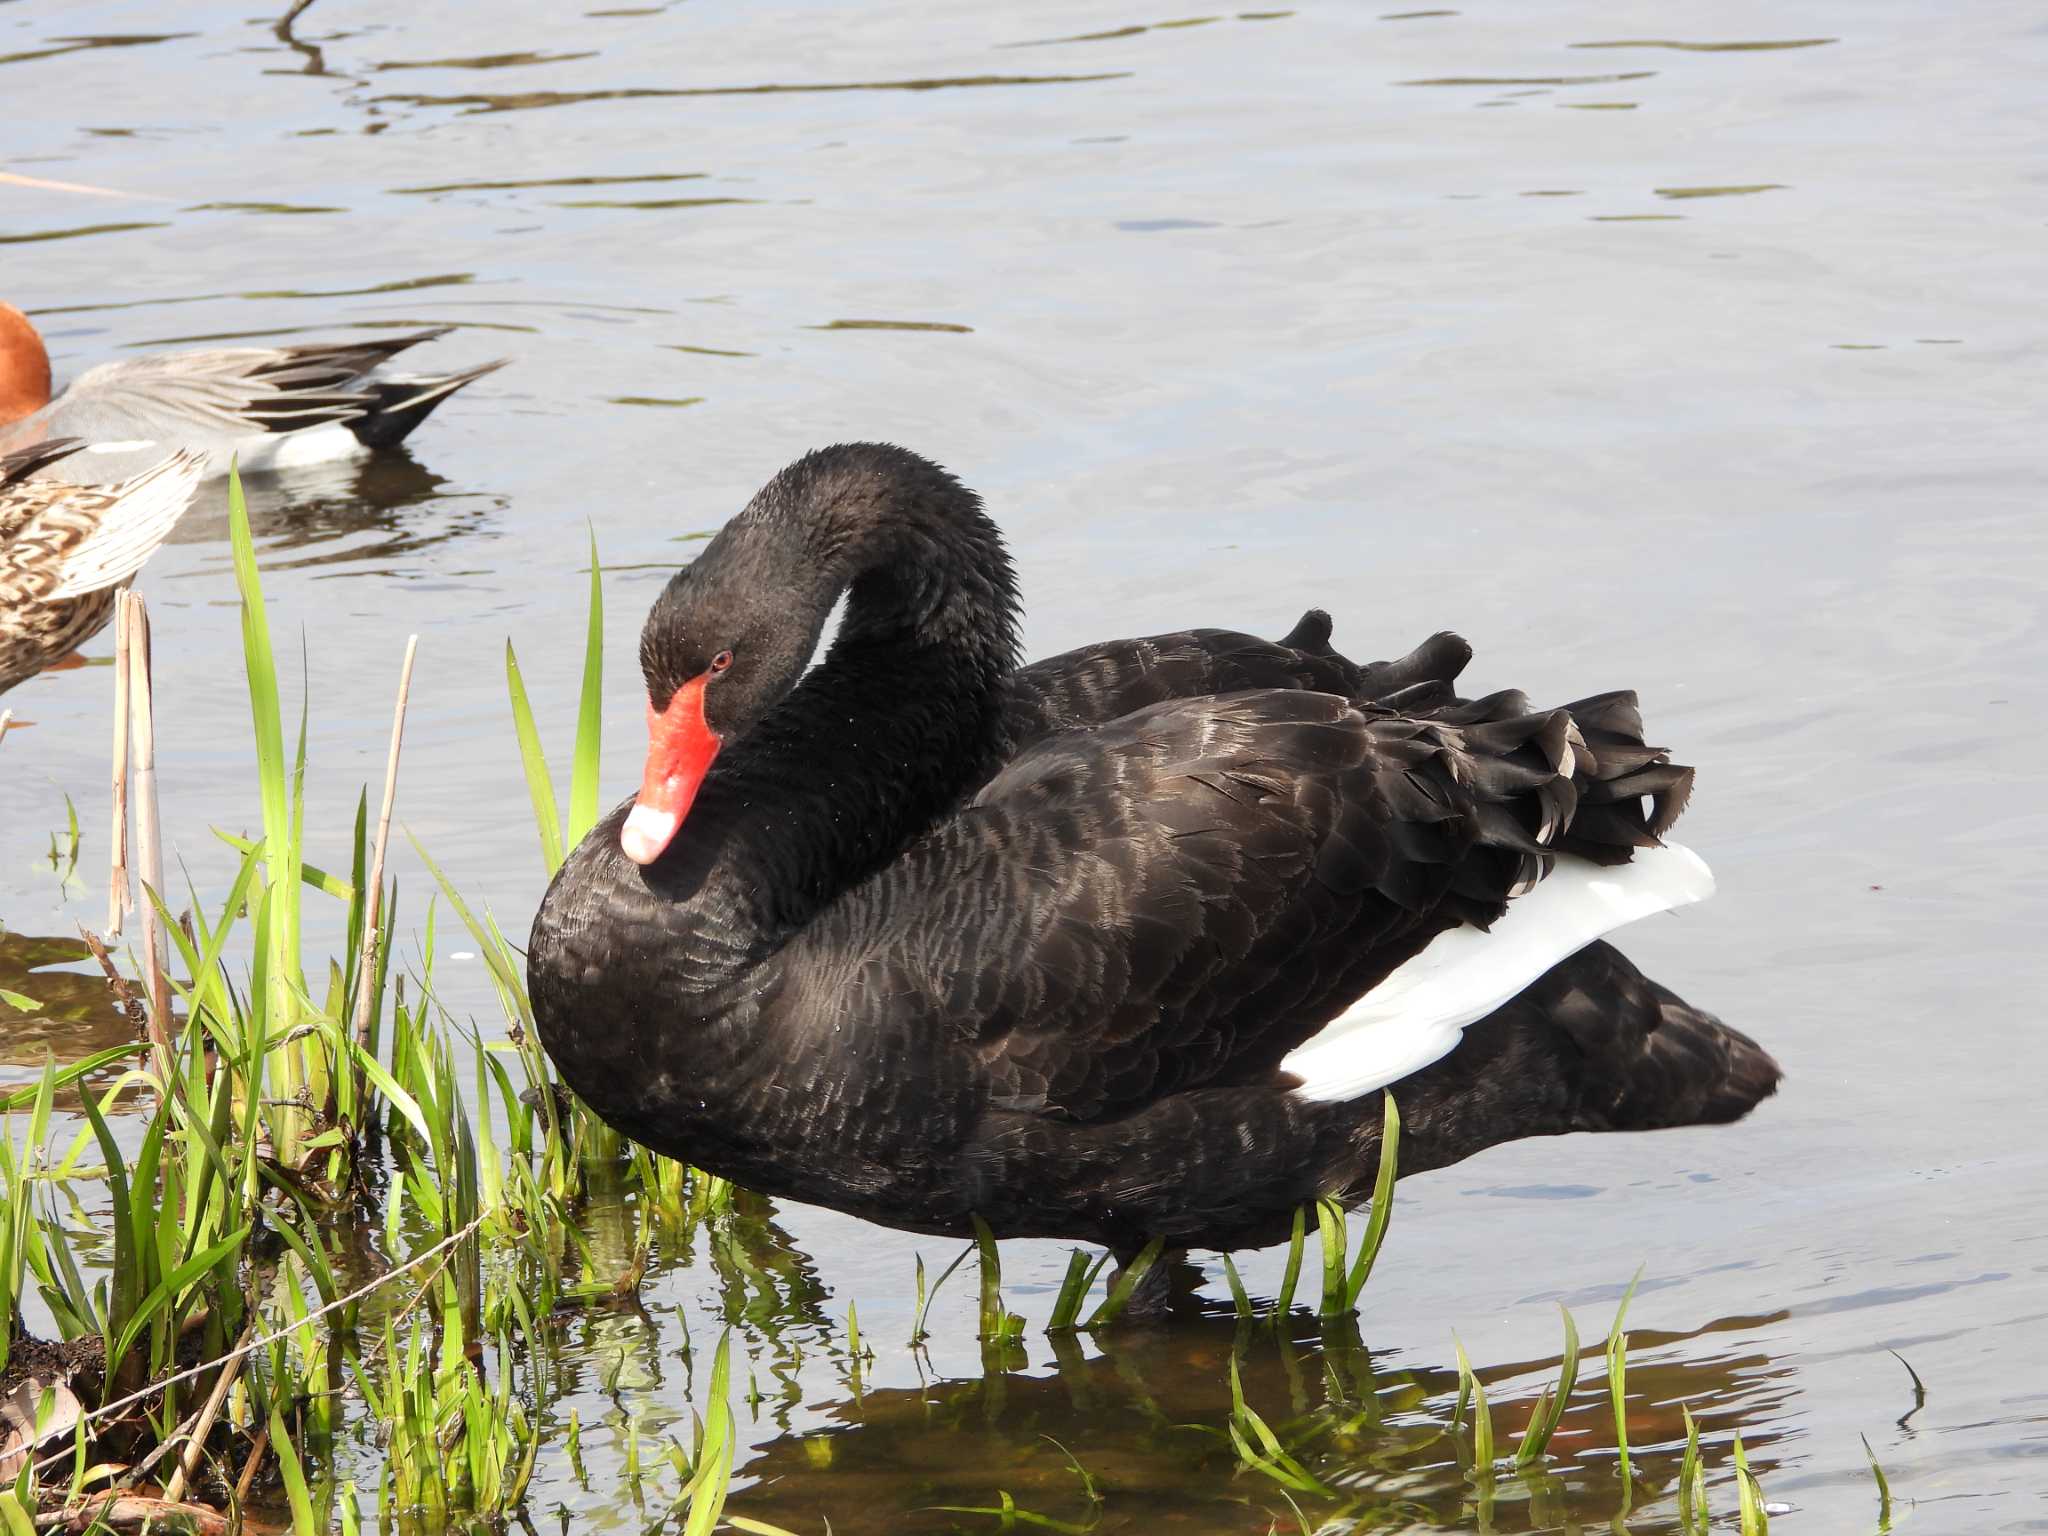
{"points": [[1148, 1417], [1146, 1412]]}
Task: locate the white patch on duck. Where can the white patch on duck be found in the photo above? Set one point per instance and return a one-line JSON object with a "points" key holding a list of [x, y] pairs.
{"points": [[290, 450], [1419, 1013]]}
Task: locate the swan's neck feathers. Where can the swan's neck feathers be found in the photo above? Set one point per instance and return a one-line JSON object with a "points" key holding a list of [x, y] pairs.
{"points": [[1417, 1015]]}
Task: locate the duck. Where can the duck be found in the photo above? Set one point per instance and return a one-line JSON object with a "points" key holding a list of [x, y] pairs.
{"points": [[266, 407], [67, 550], [1128, 945]]}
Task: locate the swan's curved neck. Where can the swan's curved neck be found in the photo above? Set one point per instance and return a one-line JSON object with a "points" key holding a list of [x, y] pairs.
{"points": [[652, 986], [889, 731]]}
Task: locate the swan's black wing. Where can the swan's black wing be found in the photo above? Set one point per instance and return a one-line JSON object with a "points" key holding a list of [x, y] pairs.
{"points": [[1178, 898], [1100, 683]]}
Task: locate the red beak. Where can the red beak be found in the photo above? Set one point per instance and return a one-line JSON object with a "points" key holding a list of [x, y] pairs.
{"points": [[680, 747]]}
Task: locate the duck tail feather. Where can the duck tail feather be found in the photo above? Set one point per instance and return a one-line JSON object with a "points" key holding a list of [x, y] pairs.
{"points": [[398, 405]]}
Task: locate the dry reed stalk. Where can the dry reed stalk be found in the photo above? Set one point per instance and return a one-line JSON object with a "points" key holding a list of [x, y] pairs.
{"points": [[149, 856], [118, 900], [6, 721], [373, 898], [130, 1511], [202, 1426], [248, 1478]]}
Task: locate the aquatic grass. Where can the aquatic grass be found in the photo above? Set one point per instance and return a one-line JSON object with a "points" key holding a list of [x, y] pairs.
{"points": [[855, 1349], [1617, 1379], [1118, 1300], [540, 786], [1000, 1327], [1472, 1391], [291, 1074], [1240, 1299], [1008, 1514], [1290, 1277], [1550, 1407], [1693, 1513], [1750, 1495], [918, 1333], [64, 859], [1344, 1278], [1919, 1388], [1884, 1488], [19, 1233], [1074, 1287], [702, 1500], [557, 837], [246, 1122], [1259, 1448]]}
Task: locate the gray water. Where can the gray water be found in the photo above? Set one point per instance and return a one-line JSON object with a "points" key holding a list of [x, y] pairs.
{"points": [[1695, 348]]}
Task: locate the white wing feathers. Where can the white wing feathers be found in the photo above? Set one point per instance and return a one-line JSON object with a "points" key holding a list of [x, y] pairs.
{"points": [[1418, 1014]]}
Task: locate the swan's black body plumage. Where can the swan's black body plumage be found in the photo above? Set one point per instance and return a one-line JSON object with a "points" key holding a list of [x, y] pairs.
{"points": [[944, 936]]}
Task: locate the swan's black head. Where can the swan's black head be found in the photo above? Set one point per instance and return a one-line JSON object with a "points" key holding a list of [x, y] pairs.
{"points": [[731, 633]]}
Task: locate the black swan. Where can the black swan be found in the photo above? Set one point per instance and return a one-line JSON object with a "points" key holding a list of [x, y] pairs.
{"points": [[1120, 945]]}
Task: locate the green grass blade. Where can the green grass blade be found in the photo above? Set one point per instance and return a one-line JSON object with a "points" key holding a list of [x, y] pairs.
{"points": [[926, 1297], [1119, 1296], [1291, 1276], [707, 1490], [1692, 1509], [998, 1325], [1884, 1489], [281, 848], [1483, 1454], [327, 884], [125, 1289], [1550, 1409], [16, 1518], [539, 787], [301, 1501], [1382, 1204], [1240, 1300], [85, 1066], [1617, 1377], [1330, 1228], [1080, 1275], [165, 1289], [589, 714], [1755, 1521]]}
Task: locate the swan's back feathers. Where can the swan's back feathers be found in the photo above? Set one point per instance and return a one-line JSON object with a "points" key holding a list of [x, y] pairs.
{"points": [[1185, 894], [1096, 684]]}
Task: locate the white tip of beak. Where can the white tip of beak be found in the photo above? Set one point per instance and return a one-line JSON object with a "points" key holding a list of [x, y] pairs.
{"points": [[646, 832]]}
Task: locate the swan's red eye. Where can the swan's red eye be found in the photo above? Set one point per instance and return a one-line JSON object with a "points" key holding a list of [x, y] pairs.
{"points": [[721, 661]]}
